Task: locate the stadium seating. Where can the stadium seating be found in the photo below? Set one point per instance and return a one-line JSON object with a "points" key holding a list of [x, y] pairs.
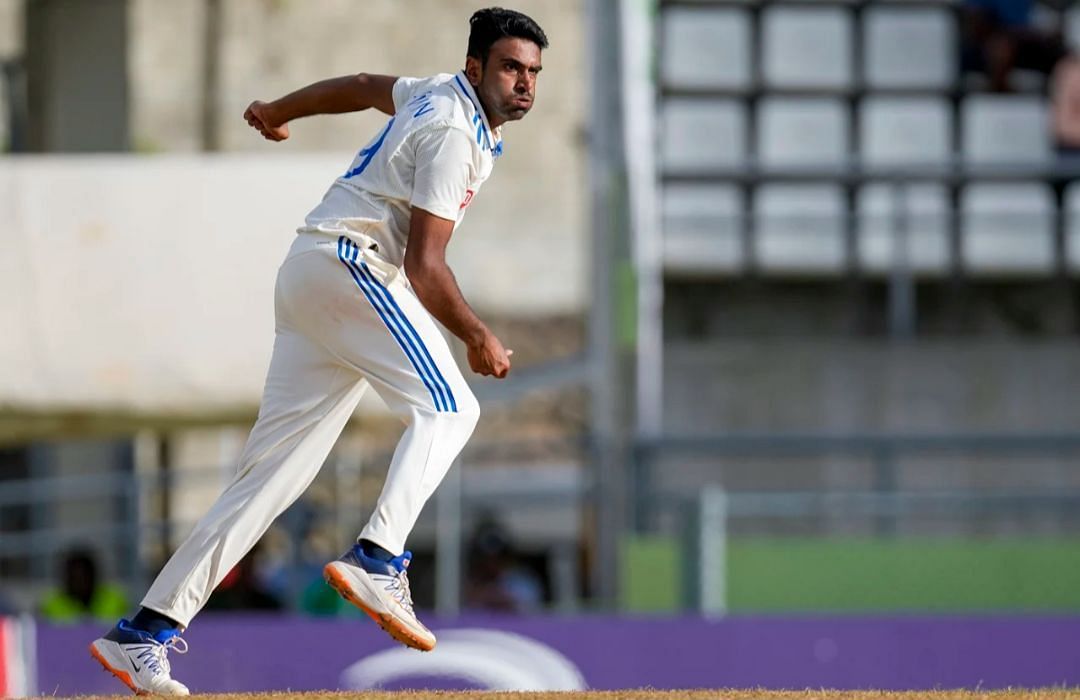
{"points": [[806, 47], [905, 131], [802, 132], [924, 211], [704, 228], [706, 48], [908, 47], [1072, 230], [804, 90], [1007, 228], [702, 134], [1005, 129], [800, 228]]}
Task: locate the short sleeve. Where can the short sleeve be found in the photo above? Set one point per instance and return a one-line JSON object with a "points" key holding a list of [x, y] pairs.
{"points": [[444, 165], [403, 87]]}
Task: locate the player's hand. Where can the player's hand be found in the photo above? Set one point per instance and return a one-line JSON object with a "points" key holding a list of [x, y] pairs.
{"points": [[489, 357], [258, 116]]}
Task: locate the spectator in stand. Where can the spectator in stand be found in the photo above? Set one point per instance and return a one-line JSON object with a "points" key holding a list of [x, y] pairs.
{"points": [[1000, 35], [82, 595], [496, 580]]}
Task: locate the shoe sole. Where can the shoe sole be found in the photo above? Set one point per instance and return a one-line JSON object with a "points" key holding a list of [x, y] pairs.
{"points": [[385, 620], [124, 678]]}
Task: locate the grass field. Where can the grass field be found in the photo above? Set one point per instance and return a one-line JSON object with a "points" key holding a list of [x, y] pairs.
{"points": [[1039, 694]]}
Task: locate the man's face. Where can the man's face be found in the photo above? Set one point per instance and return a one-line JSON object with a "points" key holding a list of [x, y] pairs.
{"points": [[506, 84]]}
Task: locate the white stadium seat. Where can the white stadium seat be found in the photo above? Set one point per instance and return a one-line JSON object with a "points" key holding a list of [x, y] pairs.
{"points": [[699, 134], [802, 132], [806, 47], [1005, 129], [703, 228], [1071, 206], [905, 131], [705, 47], [1007, 228], [800, 228], [908, 47], [925, 233]]}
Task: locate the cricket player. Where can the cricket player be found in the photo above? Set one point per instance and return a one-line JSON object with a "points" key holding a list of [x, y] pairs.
{"points": [[356, 304]]}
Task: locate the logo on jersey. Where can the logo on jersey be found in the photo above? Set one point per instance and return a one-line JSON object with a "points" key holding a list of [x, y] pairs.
{"points": [[422, 103], [468, 198]]}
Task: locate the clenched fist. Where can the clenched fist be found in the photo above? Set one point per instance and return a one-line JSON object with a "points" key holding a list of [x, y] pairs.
{"points": [[260, 117], [489, 357]]}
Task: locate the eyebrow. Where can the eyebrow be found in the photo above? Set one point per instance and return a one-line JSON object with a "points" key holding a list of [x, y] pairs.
{"points": [[518, 64]]}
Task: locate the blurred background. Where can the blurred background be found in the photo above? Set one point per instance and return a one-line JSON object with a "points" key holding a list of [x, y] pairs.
{"points": [[792, 290]]}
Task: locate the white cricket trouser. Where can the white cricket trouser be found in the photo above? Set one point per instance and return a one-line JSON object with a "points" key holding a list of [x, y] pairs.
{"points": [[344, 319]]}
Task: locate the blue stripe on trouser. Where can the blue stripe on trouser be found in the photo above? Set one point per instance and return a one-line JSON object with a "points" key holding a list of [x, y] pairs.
{"points": [[347, 248], [424, 363], [439, 378]]}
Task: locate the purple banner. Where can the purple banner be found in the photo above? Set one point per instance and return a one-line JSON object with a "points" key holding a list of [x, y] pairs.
{"points": [[254, 653]]}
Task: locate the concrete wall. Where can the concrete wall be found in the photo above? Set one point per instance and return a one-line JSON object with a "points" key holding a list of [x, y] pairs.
{"points": [[76, 61], [11, 46], [160, 270], [11, 29], [926, 386]]}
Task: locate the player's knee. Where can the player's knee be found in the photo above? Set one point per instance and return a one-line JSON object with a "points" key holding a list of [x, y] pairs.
{"points": [[468, 409], [464, 414]]}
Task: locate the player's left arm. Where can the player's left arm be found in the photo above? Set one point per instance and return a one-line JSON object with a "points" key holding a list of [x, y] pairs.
{"points": [[349, 93]]}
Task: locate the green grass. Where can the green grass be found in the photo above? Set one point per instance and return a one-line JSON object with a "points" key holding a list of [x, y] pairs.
{"points": [[848, 575]]}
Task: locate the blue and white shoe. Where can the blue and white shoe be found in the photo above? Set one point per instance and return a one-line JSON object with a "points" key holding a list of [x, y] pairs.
{"points": [[381, 589], [139, 659]]}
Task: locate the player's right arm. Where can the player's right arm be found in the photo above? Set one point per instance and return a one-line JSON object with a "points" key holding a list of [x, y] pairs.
{"points": [[349, 93], [437, 289], [443, 170]]}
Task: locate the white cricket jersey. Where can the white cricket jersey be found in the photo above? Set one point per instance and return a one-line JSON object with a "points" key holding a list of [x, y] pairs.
{"points": [[433, 154]]}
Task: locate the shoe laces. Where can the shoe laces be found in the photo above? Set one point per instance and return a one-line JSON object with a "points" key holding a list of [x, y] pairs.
{"points": [[155, 654], [399, 588]]}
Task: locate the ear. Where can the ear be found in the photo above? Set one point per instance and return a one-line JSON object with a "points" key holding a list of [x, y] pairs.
{"points": [[474, 70]]}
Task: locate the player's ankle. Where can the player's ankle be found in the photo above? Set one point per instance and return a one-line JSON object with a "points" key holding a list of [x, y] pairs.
{"points": [[370, 549], [152, 621]]}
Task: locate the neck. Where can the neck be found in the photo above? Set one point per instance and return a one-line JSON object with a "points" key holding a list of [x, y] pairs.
{"points": [[494, 122]]}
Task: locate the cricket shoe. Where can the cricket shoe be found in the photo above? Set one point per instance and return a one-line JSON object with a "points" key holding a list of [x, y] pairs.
{"points": [[139, 659], [381, 589]]}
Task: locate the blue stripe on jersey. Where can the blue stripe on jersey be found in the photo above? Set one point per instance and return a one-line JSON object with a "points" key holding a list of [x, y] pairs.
{"points": [[369, 152], [440, 380], [347, 251], [481, 129]]}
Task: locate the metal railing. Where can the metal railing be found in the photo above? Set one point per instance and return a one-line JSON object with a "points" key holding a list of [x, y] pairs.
{"points": [[705, 517], [131, 530]]}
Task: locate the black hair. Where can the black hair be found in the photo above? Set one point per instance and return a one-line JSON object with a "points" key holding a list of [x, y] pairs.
{"points": [[493, 23]]}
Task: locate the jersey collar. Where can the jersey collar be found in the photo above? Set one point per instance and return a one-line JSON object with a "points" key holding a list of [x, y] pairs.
{"points": [[486, 137]]}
